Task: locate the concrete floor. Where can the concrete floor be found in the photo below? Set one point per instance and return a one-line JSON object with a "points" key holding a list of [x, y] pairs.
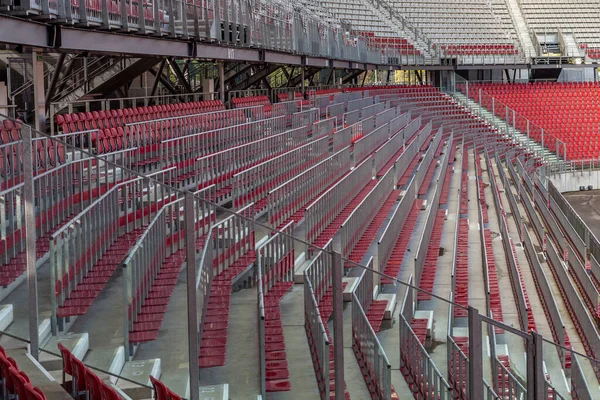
{"points": [[587, 205], [551, 359], [19, 299], [515, 345], [104, 322]]}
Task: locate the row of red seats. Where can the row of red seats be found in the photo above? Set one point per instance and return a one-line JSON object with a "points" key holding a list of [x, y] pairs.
{"points": [[326, 310], [492, 273], [92, 281], [574, 317], [567, 355], [330, 230], [461, 290], [457, 373], [481, 49], [276, 368], [557, 108], [394, 264], [10, 131], [368, 236], [213, 347], [250, 101], [396, 258], [16, 383], [368, 370], [84, 382], [431, 258], [84, 121]]}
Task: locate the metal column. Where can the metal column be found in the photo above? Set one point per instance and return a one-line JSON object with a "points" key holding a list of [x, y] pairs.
{"points": [[303, 85], [338, 324], [39, 93], [190, 253], [30, 256], [475, 382], [535, 367], [222, 81]]}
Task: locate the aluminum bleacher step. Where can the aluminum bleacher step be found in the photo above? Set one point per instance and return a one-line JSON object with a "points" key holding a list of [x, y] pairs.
{"points": [[350, 287], [428, 315], [77, 343], [6, 290], [299, 267], [139, 371], [6, 316], [211, 392], [391, 304]]}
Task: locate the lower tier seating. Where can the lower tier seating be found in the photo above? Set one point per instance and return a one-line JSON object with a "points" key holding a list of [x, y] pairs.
{"points": [[213, 348], [395, 262], [93, 280], [565, 111], [431, 259]]}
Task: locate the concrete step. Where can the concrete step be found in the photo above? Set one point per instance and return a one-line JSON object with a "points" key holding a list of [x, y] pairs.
{"points": [[6, 316], [391, 305], [77, 343], [350, 288], [138, 371]]}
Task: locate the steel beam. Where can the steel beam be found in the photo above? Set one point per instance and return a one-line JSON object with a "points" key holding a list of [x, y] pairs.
{"points": [[180, 75], [282, 58], [166, 83], [54, 80], [222, 81], [156, 79], [27, 33], [39, 91]]}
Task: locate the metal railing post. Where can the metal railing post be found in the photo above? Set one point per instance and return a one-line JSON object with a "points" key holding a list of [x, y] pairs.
{"points": [[190, 252], [535, 368], [475, 381], [30, 252], [338, 324]]}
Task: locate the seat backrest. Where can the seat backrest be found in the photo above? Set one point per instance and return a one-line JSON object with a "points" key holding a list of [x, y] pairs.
{"points": [[161, 392], [93, 385], [33, 394], [19, 381], [79, 373], [66, 355], [108, 393]]}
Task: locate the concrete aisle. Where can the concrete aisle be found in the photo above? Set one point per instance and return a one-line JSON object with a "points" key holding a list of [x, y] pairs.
{"points": [[242, 368], [302, 373], [551, 358], [172, 343], [443, 278], [19, 299], [514, 345]]}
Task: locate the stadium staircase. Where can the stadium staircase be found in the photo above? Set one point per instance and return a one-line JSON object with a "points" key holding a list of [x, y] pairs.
{"points": [[521, 27], [500, 124]]}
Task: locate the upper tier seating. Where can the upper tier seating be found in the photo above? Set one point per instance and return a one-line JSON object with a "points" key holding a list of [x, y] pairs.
{"points": [[474, 27], [566, 111], [371, 22], [577, 17]]}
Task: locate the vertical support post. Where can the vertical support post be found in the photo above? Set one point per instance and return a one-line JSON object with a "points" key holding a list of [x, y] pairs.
{"points": [[30, 256], [535, 367], [542, 140], [303, 84], [338, 325], [39, 96], [475, 355], [222, 81], [190, 255]]}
